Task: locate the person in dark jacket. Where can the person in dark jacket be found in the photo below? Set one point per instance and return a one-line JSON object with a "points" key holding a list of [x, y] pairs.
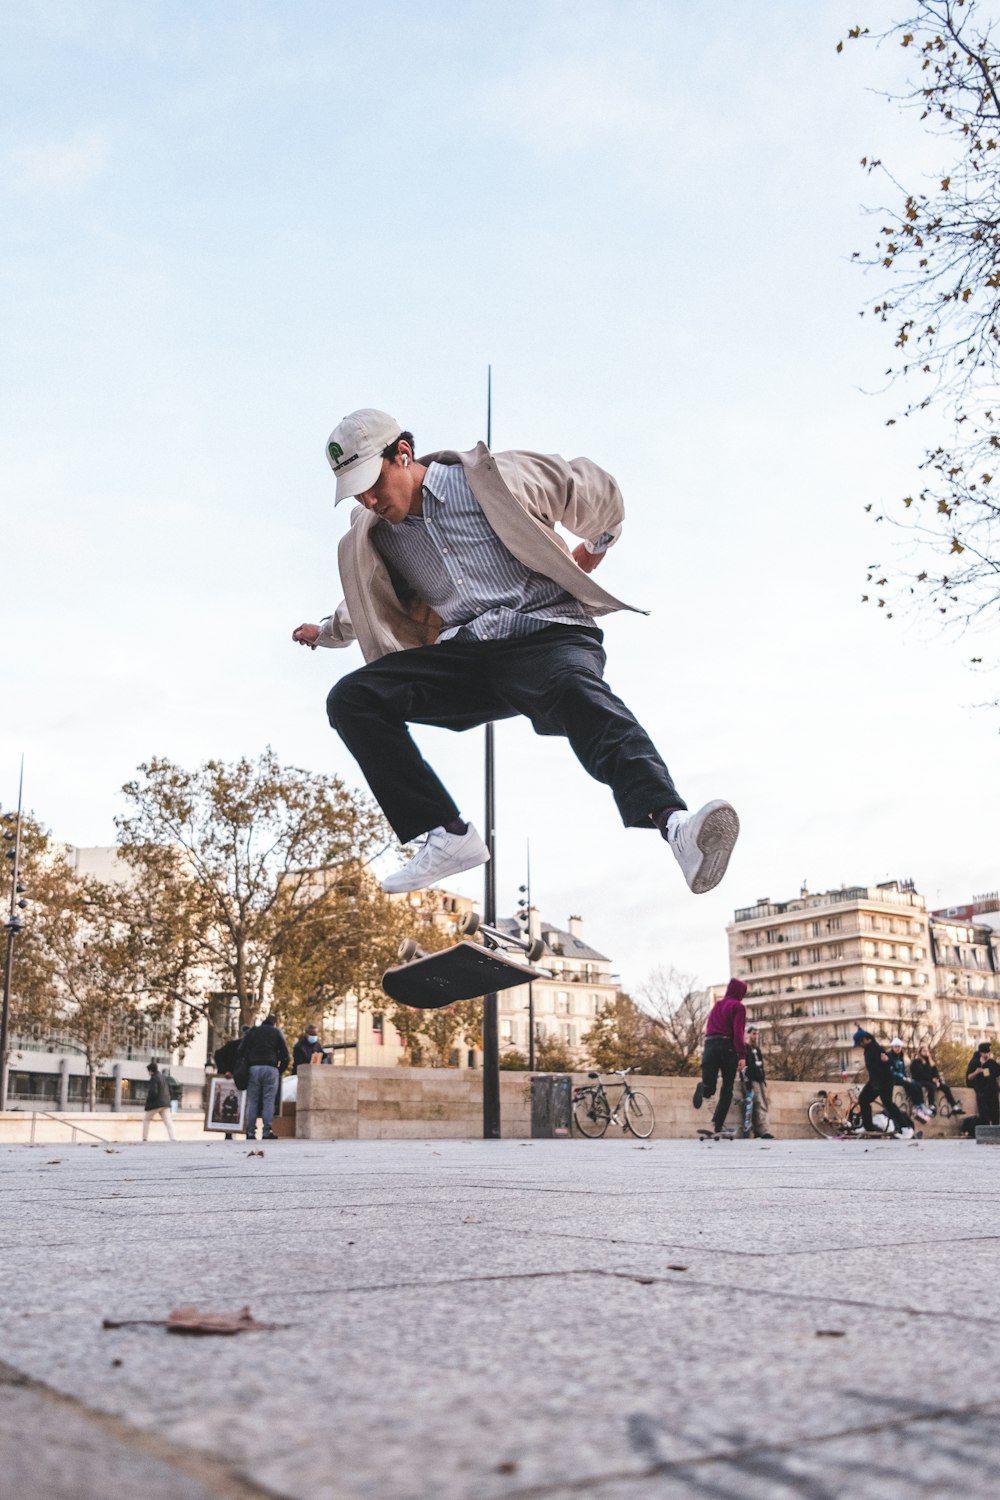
{"points": [[265, 1052], [724, 1052], [157, 1102], [925, 1072], [305, 1049], [982, 1075], [752, 1077], [881, 1082]]}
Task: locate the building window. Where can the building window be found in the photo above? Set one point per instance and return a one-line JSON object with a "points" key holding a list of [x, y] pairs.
{"points": [[562, 1002], [378, 1030], [956, 1011], [812, 954]]}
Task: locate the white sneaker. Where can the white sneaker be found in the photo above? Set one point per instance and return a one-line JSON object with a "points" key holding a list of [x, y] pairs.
{"points": [[702, 843], [441, 854], [906, 1133]]}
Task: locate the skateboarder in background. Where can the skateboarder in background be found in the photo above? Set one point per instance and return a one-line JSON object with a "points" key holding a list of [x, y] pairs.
{"points": [[724, 1051], [752, 1077], [468, 607], [880, 1085]]}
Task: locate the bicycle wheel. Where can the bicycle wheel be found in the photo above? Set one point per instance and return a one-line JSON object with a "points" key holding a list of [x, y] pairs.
{"points": [[639, 1117], [592, 1116], [819, 1120]]}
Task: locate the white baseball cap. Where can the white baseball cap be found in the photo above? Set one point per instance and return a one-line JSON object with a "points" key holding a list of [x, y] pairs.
{"points": [[354, 449]]}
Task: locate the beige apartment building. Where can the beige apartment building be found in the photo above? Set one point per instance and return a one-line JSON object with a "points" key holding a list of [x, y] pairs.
{"points": [[868, 956]]}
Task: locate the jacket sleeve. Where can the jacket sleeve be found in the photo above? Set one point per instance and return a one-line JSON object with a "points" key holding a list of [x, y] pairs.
{"points": [[739, 1023], [576, 494], [282, 1053], [336, 629]]}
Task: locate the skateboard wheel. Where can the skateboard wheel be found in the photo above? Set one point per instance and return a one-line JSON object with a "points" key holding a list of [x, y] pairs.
{"points": [[468, 923], [407, 949], [535, 951]]}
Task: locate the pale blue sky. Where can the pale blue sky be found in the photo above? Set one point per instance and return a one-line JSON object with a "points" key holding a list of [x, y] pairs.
{"points": [[226, 224]]}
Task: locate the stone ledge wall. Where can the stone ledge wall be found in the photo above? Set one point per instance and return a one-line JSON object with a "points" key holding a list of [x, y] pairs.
{"points": [[442, 1103]]}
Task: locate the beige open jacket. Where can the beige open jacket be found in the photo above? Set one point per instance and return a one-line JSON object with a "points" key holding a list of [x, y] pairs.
{"points": [[523, 496]]}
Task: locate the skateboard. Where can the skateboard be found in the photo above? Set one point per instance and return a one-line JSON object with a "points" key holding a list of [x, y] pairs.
{"points": [[747, 1107], [718, 1135], [465, 971]]}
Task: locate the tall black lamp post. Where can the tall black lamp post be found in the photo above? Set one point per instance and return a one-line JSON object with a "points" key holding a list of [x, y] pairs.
{"points": [[13, 925], [491, 1031]]}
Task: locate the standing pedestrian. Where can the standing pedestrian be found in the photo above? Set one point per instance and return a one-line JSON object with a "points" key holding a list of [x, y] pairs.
{"points": [[982, 1075], [469, 607], [881, 1082], [265, 1052], [157, 1102], [752, 1077], [724, 1051]]}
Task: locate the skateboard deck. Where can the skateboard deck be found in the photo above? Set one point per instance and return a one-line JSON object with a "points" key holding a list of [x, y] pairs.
{"points": [[747, 1109], [464, 971], [717, 1135]]}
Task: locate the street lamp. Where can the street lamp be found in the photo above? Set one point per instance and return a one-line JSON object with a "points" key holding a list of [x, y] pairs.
{"points": [[13, 925]]}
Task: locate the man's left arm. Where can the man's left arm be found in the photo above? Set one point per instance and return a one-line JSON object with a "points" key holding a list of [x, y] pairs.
{"points": [[577, 495]]}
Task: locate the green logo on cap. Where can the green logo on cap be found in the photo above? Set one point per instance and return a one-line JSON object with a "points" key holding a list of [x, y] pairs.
{"points": [[335, 451]]}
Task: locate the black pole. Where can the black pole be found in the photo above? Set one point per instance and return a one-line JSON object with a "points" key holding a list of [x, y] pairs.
{"points": [[13, 927], [531, 987], [491, 1029]]}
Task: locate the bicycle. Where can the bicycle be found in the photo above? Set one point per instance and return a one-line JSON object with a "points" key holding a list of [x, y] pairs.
{"points": [[593, 1112], [835, 1114]]}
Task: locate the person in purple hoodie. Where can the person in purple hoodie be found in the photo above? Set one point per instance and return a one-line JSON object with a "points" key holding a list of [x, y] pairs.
{"points": [[724, 1053]]}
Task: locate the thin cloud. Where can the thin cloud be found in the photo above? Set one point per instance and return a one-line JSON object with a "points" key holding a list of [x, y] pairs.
{"points": [[61, 165]]}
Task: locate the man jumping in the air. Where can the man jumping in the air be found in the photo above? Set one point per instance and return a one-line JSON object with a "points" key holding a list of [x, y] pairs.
{"points": [[468, 607]]}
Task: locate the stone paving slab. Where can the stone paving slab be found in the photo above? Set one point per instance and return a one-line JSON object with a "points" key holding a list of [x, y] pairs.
{"points": [[513, 1319]]}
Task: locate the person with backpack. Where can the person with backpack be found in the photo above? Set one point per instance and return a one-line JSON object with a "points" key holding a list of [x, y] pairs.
{"points": [[264, 1053], [157, 1101]]}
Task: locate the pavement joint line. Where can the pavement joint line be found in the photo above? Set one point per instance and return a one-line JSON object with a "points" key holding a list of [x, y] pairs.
{"points": [[747, 1453], [220, 1481]]}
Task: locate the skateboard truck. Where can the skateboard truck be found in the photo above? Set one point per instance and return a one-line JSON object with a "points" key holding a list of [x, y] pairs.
{"points": [[470, 923]]}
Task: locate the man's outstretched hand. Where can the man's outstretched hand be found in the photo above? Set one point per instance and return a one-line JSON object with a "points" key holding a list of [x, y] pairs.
{"points": [[586, 560], [306, 635]]}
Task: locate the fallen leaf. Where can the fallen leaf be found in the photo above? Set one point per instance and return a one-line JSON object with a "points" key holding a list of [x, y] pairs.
{"points": [[645, 1280], [192, 1320], [255, 1153], [56, 1163], [677, 1268], [831, 1333], [507, 1467]]}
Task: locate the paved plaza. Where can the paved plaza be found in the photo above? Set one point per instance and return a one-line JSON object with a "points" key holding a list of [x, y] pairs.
{"points": [[467, 1320]]}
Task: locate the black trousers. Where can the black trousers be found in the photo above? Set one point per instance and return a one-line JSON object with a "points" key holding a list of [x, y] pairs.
{"points": [[988, 1106], [867, 1097], [718, 1059], [555, 677]]}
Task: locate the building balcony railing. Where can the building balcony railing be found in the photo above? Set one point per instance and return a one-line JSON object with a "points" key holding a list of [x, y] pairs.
{"points": [[849, 896]]}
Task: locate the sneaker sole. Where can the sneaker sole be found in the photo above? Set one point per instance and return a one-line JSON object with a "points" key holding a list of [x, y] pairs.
{"points": [[716, 839], [425, 885]]}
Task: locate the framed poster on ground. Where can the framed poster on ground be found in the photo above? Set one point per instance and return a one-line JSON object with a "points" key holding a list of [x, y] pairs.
{"points": [[226, 1109]]}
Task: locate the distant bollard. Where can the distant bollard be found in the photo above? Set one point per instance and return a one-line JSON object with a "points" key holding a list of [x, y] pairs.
{"points": [[551, 1104], [986, 1135]]}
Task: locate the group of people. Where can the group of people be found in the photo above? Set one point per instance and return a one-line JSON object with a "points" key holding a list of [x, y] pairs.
{"points": [[255, 1060], [731, 1050]]}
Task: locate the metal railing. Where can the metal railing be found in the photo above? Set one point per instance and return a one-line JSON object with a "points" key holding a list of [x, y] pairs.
{"points": [[47, 1115]]}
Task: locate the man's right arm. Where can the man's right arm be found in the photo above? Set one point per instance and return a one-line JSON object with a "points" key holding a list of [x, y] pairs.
{"points": [[332, 630]]}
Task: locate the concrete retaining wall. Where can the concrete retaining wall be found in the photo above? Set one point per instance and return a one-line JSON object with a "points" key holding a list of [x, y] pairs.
{"points": [[94, 1129], [442, 1103]]}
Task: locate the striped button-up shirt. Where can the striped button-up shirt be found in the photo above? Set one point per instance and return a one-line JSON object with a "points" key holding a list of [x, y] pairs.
{"points": [[452, 559]]}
